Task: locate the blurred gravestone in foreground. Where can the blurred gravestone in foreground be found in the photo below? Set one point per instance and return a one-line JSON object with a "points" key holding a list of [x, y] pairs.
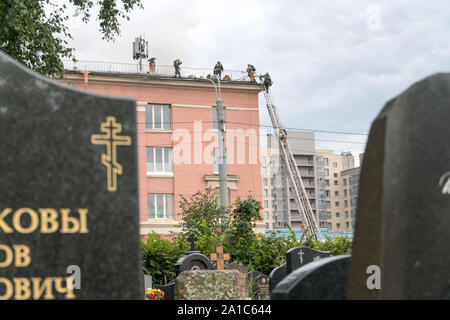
{"points": [[68, 191], [403, 220]]}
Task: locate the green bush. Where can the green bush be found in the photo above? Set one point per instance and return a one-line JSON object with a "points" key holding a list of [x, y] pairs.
{"points": [[159, 256]]}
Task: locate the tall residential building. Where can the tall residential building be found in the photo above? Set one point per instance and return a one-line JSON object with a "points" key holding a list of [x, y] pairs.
{"points": [[302, 145], [177, 137], [350, 183], [276, 210], [333, 188]]}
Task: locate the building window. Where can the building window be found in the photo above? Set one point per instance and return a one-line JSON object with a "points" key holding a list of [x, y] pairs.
{"points": [[335, 164], [338, 214], [266, 193], [335, 175], [335, 182], [327, 172], [266, 204], [338, 225], [345, 182], [160, 206], [327, 182], [159, 160], [265, 182], [347, 225], [328, 214], [346, 203], [158, 117], [329, 225], [336, 203], [325, 161], [336, 193], [346, 214], [328, 204], [345, 191]]}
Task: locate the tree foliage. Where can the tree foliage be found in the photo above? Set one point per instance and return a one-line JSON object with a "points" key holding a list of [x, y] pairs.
{"points": [[35, 32]]}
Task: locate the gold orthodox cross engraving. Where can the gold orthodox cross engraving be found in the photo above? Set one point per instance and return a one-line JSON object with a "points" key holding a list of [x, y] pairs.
{"points": [[220, 257], [111, 140]]}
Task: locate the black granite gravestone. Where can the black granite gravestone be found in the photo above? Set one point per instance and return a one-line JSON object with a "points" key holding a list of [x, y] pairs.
{"points": [[193, 261], [277, 274], [68, 191], [324, 279], [169, 290], [402, 220], [299, 256]]}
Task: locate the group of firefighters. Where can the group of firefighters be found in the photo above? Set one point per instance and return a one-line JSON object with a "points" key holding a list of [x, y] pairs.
{"points": [[218, 69]]}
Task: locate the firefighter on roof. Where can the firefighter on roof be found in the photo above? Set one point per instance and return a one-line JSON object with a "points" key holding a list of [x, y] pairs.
{"points": [[218, 69], [251, 72], [177, 64]]}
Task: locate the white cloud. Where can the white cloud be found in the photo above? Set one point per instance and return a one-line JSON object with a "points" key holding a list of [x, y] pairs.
{"points": [[330, 71]]}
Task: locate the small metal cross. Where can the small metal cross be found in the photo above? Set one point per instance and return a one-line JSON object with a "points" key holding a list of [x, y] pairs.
{"points": [[220, 257]]}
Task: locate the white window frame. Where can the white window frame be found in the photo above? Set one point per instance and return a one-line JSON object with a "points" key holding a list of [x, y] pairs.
{"points": [[165, 214], [165, 125], [163, 172]]}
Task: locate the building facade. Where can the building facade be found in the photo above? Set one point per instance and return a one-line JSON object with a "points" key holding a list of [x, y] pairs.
{"points": [[177, 139], [275, 187], [350, 184], [302, 145], [337, 205]]}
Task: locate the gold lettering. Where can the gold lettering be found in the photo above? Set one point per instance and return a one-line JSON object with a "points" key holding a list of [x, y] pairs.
{"points": [[34, 220], [8, 256], [49, 223], [23, 258], [68, 290], [3, 225], [22, 288], [83, 220], [38, 288], [9, 289], [66, 221]]}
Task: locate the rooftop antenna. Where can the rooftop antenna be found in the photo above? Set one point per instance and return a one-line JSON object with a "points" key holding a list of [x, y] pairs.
{"points": [[140, 50]]}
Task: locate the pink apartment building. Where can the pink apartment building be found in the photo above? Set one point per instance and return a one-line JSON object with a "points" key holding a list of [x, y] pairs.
{"points": [[177, 139]]}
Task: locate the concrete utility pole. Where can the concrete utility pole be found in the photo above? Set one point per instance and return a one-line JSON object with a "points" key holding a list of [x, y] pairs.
{"points": [[223, 171]]}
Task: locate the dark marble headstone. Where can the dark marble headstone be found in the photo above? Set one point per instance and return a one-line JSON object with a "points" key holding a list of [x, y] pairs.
{"points": [[260, 285], [324, 279], [169, 290], [68, 202], [193, 261], [277, 274], [403, 220], [299, 256]]}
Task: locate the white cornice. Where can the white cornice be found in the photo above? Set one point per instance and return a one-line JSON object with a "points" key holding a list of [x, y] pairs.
{"points": [[148, 81]]}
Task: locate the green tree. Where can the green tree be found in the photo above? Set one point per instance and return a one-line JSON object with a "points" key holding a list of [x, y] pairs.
{"points": [[242, 239], [202, 214], [35, 31]]}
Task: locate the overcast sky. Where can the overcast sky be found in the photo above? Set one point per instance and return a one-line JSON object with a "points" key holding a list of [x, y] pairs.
{"points": [[334, 64]]}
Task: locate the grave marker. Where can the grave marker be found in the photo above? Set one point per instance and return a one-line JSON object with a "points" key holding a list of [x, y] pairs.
{"points": [[324, 279], [220, 257], [403, 221], [299, 256], [69, 191], [277, 274]]}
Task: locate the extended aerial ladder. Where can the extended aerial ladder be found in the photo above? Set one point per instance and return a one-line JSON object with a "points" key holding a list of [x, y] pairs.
{"points": [[296, 183]]}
